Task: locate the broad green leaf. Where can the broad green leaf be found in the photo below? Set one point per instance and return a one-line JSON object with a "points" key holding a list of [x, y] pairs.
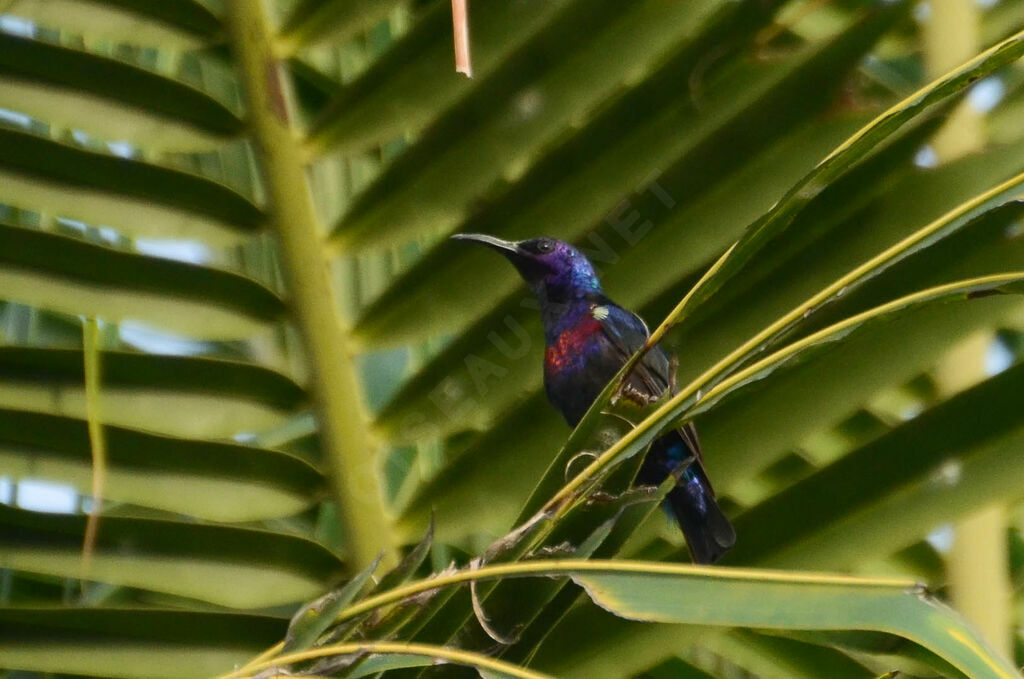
{"points": [[227, 566], [491, 133], [890, 608], [716, 596], [413, 82], [177, 395], [216, 481], [937, 466], [173, 24], [651, 156], [134, 643], [316, 21], [108, 98], [132, 196], [68, 275]]}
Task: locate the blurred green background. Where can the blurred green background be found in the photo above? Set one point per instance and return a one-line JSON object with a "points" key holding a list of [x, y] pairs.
{"points": [[223, 234]]}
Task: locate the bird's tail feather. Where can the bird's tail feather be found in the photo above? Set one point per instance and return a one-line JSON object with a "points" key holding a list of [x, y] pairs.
{"points": [[708, 532]]}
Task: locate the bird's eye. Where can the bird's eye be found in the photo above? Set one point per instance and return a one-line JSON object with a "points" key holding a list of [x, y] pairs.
{"points": [[545, 245]]}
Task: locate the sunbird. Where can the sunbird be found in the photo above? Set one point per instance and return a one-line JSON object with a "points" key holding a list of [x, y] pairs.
{"points": [[588, 339]]}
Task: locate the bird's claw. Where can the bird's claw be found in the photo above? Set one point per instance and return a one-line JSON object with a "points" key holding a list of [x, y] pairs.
{"points": [[635, 396]]}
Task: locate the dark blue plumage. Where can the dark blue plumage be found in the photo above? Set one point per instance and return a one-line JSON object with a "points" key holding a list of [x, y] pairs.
{"points": [[588, 339]]}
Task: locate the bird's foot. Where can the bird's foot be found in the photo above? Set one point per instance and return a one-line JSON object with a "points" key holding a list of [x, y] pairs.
{"points": [[633, 395]]}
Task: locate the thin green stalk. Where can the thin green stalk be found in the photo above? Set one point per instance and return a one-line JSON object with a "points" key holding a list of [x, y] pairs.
{"points": [[343, 425], [453, 655], [97, 443], [966, 286]]}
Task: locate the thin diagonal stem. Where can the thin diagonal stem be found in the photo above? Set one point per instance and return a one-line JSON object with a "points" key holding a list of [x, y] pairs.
{"points": [[453, 655]]}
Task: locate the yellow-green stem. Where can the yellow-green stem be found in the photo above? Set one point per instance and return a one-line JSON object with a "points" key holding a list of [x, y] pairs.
{"points": [[92, 367], [452, 655], [335, 385], [837, 329]]}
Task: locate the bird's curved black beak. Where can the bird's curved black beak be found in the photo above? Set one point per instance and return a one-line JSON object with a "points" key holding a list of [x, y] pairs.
{"points": [[526, 263], [505, 247]]}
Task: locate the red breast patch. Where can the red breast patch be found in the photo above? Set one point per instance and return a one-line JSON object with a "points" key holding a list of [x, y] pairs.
{"points": [[570, 343]]}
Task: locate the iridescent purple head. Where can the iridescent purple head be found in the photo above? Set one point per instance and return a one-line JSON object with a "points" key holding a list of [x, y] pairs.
{"points": [[553, 268]]}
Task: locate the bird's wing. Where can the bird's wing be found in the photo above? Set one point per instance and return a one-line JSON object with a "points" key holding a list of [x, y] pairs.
{"points": [[627, 333]]}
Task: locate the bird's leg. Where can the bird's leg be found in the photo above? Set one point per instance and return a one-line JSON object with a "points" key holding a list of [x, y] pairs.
{"points": [[639, 396], [599, 497], [633, 395]]}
